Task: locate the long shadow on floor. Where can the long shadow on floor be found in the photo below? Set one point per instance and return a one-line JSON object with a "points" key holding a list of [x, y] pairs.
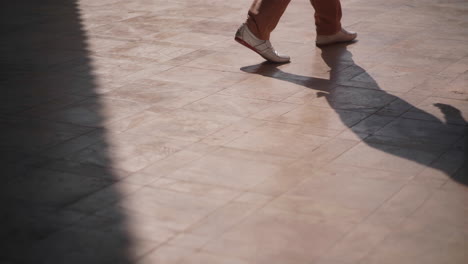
{"points": [[46, 213], [383, 121]]}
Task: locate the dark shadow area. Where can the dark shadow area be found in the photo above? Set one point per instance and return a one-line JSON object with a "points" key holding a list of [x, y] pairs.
{"points": [[385, 122], [48, 211]]}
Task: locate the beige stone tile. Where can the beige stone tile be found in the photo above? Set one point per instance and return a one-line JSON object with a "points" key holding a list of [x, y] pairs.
{"points": [[409, 248], [303, 97], [323, 132], [102, 16], [201, 10], [401, 31], [322, 117], [149, 91], [197, 189], [404, 203], [392, 78], [422, 64], [319, 208], [456, 89], [227, 61], [129, 152], [87, 3], [332, 261], [168, 208], [431, 47], [199, 77], [232, 46], [218, 26], [201, 39], [166, 254], [126, 31], [274, 111], [326, 153], [348, 134], [385, 222], [132, 121], [356, 245], [184, 125], [189, 241], [143, 74], [259, 87], [414, 18], [180, 101], [222, 220], [279, 139], [361, 193], [430, 182], [160, 93], [255, 198], [142, 227], [232, 132], [102, 45], [158, 53], [141, 178], [343, 170], [163, 22], [184, 59], [455, 70], [145, 6], [207, 258], [431, 85], [96, 112], [277, 237], [232, 168], [445, 208], [387, 157], [178, 160], [230, 105], [140, 248], [285, 179], [112, 69], [435, 232]]}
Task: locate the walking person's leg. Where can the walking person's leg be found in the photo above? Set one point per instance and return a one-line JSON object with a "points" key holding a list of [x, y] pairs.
{"points": [[328, 23], [262, 19], [264, 15]]}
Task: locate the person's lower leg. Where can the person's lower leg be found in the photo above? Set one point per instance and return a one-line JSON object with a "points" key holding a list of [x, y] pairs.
{"points": [[327, 16], [264, 16], [328, 23]]}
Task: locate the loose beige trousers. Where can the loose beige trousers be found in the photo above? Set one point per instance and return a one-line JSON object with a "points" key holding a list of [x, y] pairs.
{"points": [[264, 15]]}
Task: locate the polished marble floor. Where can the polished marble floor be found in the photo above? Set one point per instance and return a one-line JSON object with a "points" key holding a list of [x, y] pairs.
{"points": [[139, 132]]}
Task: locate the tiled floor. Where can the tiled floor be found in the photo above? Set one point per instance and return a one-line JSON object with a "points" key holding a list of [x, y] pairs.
{"points": [[140, 132]]}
